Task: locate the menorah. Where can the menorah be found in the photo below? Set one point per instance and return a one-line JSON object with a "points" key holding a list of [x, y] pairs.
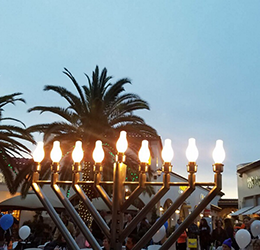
{"points": [[118, 204]]}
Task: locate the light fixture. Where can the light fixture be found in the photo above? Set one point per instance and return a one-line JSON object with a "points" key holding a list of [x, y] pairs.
{"points": [[122, 143], [144, 152], [98, 153], [192, 152], [219, 152], [77, 153], [56, 153], [167, 152], [38, 153]]}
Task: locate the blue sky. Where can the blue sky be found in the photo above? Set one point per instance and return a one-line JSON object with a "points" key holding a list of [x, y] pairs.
{"points": [[195, 62]]}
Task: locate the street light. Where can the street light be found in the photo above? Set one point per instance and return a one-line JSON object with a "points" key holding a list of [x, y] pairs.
{"points": [[118, 204]]}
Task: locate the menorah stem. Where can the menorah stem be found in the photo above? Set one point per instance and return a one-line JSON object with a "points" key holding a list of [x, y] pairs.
{"points": [[118, 199]]}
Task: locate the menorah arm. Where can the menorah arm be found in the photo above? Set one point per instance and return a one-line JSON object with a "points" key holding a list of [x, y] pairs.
{"points": [[103, 194], [96, 215], [146, 209], [156, 226], [73, 213], [176, 234], [53, 214], [136, 192]]}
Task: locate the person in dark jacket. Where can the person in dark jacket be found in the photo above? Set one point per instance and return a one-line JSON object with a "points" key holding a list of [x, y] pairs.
{"points": [[229, 228], [204, 233], [193, 233], [218, 234], [96, 231]]}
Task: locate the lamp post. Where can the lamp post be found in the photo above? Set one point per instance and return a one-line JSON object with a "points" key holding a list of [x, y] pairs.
{"points": [[118, 204]]}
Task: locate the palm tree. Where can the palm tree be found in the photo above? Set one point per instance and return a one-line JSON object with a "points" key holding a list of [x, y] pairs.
{"points": [[99, 111], [11, 146]]}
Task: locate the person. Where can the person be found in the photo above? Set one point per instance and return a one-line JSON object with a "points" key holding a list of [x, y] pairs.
{"points": [[129, 218], [143, 227], [106, 244], [218, 235], [177, 224], [229, 228], [58, 240], [247, 222], [80, 239], [131, 241], [204, 233], [38, 231], [96, 231], [227, 244], [256, 244], [182, 241], [179, 221], [237, 227], [193, 232], [69, 225], [9, 232], [56, 245]]}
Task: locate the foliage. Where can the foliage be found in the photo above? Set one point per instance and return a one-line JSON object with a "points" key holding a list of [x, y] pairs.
{"points": [[11, 144], [99, 111]]}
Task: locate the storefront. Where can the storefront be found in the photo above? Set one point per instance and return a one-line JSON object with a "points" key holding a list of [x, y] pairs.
{"points": [[248, 181]]}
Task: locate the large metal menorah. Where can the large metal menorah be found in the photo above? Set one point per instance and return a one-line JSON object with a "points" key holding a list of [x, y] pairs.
{"points": [[118, 204]]}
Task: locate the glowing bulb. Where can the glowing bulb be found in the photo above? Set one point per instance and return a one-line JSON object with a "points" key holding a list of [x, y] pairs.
{"points": [[167, 152], [219, 152], [192, 152], [122, 143], [38, 153], [144, 152], [77, 153], [56, 153], [98, 153]]}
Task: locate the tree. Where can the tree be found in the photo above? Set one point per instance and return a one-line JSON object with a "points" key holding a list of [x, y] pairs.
{"points": [[11, 145], [99, 111]]}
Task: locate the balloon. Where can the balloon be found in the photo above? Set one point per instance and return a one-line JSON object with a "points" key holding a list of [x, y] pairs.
{"points": [[159, 235], [243, 238], [6, 221], [24, 232], [255, 228]]}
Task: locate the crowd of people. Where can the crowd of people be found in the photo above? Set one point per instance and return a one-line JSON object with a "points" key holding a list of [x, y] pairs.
{"points": [[222, 237], [195, 237]]}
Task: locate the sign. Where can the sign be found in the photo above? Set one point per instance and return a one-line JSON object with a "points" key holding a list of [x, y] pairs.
{"points": [[207, 212], [253, 181]]}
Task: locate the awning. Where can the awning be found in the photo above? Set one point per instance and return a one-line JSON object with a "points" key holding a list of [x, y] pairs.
{"points": [[241, 211], [254, 210], [30, 202]]}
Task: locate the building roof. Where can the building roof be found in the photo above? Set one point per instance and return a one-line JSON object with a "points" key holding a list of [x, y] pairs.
{"points": [[228, 203], [244, 167]]}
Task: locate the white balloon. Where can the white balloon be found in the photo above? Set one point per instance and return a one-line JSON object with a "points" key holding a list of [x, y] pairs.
{"points": [[255, 227], [24, 232], [243, 238], [159, 235]]}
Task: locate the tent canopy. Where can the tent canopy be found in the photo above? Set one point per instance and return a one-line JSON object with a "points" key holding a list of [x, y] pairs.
{"points": [[30, 202]]}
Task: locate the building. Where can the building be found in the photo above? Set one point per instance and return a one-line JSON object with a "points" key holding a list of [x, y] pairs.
{"points": [[248, 181]]}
